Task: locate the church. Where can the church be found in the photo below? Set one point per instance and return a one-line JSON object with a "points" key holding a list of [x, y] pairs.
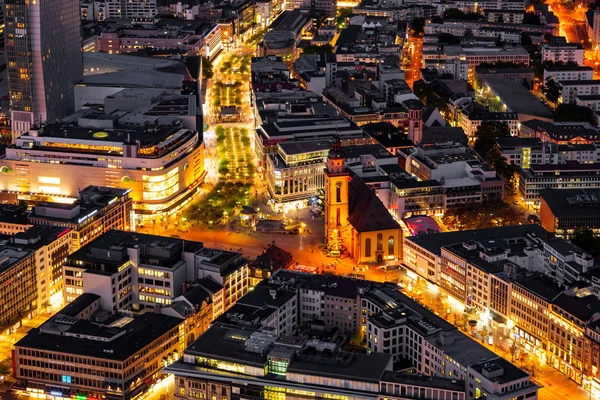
{"points": [[355, 218]]}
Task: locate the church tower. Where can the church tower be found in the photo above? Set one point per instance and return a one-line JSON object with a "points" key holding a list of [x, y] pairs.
{"points": [[336, 196]]}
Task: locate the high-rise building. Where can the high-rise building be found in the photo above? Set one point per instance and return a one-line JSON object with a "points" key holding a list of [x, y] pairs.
{"points": [[43, 55]]}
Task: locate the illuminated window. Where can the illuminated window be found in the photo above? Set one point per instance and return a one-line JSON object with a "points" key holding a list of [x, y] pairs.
{"points": [[49, 180]]}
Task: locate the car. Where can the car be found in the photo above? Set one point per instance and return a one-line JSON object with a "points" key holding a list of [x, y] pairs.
{"points": [[334, 254], [176, 236]]}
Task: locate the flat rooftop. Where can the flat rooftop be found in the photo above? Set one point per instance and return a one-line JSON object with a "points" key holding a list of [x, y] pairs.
{"points": [[119, 70], [518, 99], [434, 242], [571, 203], [120, 344]]}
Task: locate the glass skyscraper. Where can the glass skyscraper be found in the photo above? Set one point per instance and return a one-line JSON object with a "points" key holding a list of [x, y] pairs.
{"points": [[44, 59]]}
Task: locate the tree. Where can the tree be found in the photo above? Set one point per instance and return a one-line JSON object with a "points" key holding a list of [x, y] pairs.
{"points": [[526, 40], [342, 15], [207, 68], [551, 91], [485, 145], [418, 26], [447, 38], [531, 18], [321, 200], [318, 49], [587, 241], [436, 19], [574, 113], [485, 137]]}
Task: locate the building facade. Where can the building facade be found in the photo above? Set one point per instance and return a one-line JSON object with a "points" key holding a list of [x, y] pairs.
{"points": [[44, 58]]}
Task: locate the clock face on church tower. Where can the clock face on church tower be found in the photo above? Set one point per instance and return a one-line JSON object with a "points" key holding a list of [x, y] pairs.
{"points": [[338, 184]]}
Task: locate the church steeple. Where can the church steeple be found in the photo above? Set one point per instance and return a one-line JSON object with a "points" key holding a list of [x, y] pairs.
{"points": [[335, 158]]}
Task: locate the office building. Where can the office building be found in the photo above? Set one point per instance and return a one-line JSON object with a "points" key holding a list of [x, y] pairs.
{"points": [[266, 306], [570, 315], [130, 9], [470, 122], [466, 179], [229, 361], [96, 211], [560, 132], [92, 352], [564, 211], [530, 301], [13, 219], [44, 58], [136, 271], [259, 361], [556, 176]]}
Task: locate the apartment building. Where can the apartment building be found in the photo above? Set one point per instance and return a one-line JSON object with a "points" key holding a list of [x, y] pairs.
{"points": [[568, 73], [563, 52], [570, 90], [93, 352]]}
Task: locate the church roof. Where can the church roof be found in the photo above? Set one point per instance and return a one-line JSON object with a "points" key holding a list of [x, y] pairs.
{"points": [[366, 213]]}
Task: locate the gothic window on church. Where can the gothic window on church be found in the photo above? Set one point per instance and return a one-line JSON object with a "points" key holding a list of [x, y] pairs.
{"points": [[338, 192], [379, 242], [338, 217], [391, 245], [368, 247]]}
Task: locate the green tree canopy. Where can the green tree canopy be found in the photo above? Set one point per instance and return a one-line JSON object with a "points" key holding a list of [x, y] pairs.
{"points": [[448, 38], [587, 241], [485, 145]]}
